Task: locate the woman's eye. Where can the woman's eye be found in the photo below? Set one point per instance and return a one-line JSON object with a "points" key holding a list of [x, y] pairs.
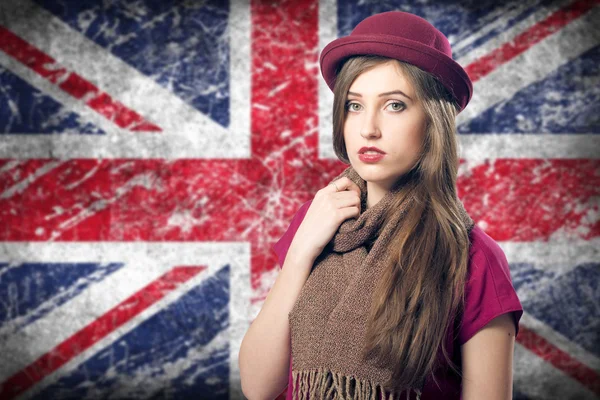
{"points": [[349, 106], [399, 106], [396, 106]]}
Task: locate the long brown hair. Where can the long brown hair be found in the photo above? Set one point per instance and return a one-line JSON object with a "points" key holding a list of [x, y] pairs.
{"points": [[426, 266]]}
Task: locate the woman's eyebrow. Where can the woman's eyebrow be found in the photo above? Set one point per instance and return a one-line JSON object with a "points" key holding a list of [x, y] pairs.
{"points": [[384, 94]]}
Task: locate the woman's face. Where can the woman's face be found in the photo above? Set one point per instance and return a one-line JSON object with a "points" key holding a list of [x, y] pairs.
{"points": [[393, 122]]}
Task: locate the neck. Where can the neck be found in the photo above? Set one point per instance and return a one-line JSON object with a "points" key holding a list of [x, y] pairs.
{"points": [[375, 192]]}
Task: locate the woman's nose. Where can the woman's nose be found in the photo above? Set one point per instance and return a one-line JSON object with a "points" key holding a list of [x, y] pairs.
{"points": [[369, 125]]}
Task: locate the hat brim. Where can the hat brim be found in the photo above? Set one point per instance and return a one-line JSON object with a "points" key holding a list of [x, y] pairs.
{"points": [[448, 71]]}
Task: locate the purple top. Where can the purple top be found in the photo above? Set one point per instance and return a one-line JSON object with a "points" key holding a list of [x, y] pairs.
{"points": [[489, 293]]}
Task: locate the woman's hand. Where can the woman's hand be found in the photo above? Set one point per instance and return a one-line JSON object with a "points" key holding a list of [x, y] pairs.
{"points": [[328, 209], [264, 357]]}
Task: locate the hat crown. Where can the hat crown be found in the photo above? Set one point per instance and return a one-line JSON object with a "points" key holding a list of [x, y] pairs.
{"points": [[404, 25], [402, 36]]}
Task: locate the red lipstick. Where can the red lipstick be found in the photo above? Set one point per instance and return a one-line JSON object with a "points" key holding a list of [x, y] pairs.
{"points": [[374, 154]]}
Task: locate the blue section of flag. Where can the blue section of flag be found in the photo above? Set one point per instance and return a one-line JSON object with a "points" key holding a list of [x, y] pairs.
{"points": [[181, 352], [183, 45], [458, 20], [565, 101], [24, 109], [569, 304], [525, 276], [31, 290]]}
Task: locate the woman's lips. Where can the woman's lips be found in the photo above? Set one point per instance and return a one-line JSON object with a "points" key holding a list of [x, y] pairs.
{"points": [[370, 158]]}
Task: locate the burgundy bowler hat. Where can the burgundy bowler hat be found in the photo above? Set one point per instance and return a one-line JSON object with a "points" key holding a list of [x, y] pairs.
{"points": [[406, 37]]}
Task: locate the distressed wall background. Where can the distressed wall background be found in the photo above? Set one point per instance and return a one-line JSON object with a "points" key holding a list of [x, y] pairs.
{"points": [[153, 151]]}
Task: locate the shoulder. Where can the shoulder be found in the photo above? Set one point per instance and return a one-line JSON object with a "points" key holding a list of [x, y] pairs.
{"points": [[299, 215], [482, 242], [489, 291], [304, 208], [282, 245], [486, 257]]}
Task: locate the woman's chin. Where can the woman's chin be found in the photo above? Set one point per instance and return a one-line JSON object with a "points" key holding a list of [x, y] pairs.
{"points": [[372, 172]]}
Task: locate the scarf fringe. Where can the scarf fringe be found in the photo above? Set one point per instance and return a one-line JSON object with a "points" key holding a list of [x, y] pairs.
{"points": [[323, 383]]}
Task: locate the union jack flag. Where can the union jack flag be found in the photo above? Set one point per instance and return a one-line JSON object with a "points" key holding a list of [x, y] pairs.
{"points": [[152, 152]]}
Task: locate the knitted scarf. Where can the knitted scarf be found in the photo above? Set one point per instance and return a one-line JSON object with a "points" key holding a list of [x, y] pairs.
{"points": [[328, 320]]}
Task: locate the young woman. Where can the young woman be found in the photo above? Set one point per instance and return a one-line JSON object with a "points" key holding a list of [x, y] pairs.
{"points": [[388, 289]]}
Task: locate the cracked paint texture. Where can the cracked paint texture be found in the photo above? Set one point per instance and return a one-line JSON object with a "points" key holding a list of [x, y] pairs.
{"points": [[162, 322]]}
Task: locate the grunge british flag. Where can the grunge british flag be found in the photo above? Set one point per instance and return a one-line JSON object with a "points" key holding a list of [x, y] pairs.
{"points": [[152, 152]]}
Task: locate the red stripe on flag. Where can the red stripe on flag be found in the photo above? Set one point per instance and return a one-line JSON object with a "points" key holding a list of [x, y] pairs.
{"points": [[155, 200], [527, 39], [529, 200], [286, 41], [72, 83], [285, 162], [558, 358], [19, 172], [96, 330]]}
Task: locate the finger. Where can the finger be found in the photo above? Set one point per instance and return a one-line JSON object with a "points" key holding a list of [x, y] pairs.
{"points": [[347, 198], [347, 184], [349, 188], [331, 188], [337, 185]]}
